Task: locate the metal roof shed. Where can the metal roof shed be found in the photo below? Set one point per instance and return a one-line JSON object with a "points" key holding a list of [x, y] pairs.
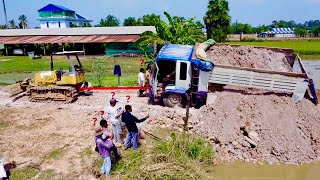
{"points": [[73, 35]]}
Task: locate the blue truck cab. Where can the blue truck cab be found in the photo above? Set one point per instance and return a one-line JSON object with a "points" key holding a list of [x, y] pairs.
{"points": [[176, 75]]}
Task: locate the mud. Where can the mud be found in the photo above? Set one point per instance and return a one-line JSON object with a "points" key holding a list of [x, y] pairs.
{"points": [[250, 57]]}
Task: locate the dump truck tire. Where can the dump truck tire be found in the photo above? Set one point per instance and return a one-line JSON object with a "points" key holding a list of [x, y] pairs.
{"points": [[174, 99]]}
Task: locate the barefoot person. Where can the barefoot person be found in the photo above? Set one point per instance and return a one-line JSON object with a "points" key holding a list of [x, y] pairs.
{"points": [[130, 122]]}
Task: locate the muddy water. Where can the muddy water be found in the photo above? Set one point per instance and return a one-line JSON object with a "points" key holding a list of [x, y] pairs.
{"points": [[313, 69], [250, 171]]}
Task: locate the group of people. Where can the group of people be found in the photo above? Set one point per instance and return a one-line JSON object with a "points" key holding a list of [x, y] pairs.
{"points": [[118, 119]]}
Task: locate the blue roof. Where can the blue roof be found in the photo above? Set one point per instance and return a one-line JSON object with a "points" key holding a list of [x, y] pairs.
{"points": [[53, 8], [80, 17], [176, 52]]}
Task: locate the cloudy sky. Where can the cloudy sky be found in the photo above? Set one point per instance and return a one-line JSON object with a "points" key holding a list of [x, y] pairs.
{"points": [[254, 12]]}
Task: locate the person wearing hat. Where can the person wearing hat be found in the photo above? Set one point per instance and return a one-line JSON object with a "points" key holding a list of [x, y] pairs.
{"points": [[114, 113]]}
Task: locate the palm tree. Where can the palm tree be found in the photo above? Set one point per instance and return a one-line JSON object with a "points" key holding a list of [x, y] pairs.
{"points": [[5, 12], [12, 24], [217, 20], [23, 21]]}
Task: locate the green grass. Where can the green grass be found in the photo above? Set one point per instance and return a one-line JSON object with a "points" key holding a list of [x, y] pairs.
{"points": [[47, 174], [25, 173], [181, 157], [310, 48], [55, 154], [14, 68]]}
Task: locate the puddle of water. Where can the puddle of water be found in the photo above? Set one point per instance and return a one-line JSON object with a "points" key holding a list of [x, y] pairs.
{"points": [[313, 69], [250, 171]]}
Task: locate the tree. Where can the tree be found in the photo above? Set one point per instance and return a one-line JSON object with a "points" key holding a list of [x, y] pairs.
{"points": [[238, 28], [149, 20], [109, 21], [99, 68], [12, 24], [177, 31], [217, 20], [130, 21], [301, 32], [23, 21]]}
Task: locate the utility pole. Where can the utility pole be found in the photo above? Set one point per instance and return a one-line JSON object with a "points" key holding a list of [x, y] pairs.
{"points": [[5, 13]]}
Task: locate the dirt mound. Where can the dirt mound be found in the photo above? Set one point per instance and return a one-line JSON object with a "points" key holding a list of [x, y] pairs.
{"points": [[250, 57], [254, 126]]}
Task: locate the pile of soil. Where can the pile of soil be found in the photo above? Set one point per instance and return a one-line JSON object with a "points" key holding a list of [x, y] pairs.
{"points": [[286, 132], [250, 57]]}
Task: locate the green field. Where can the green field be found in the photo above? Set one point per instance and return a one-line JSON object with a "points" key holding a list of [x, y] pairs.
{"points": [[308, 50], [13, 68]]}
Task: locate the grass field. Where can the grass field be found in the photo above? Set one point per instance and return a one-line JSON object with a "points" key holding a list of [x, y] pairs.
{"points": [[15, 68], [309, 50]]}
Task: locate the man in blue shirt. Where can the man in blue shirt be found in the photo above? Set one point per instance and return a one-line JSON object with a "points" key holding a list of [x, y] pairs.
{"points": [[130, 122]]}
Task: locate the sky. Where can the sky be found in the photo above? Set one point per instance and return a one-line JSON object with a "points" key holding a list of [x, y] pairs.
{"points": [[255, 12]]}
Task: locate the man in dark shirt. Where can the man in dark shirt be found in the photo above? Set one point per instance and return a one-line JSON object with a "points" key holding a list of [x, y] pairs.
{"points": [[130, 122]]}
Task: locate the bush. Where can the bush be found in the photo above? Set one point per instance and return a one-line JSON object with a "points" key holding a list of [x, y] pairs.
{"points": [[184, 147], [99, 68]]}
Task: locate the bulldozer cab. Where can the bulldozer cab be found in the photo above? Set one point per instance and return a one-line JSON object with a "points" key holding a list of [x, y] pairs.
{"points": [[75, 74]]}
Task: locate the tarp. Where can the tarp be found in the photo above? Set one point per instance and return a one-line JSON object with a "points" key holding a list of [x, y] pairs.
{"points": [[174, 52]]}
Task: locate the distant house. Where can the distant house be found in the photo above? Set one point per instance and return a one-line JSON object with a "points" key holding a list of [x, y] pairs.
{"points": [[278, 33], [56, 16]]}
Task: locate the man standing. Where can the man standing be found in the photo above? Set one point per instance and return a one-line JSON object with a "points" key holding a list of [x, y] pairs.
{"points": [[130, 122], [114, 113], [141, 80]]}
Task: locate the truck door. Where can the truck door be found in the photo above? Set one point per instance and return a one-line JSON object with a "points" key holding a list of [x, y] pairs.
{"points": [[183, 75]]}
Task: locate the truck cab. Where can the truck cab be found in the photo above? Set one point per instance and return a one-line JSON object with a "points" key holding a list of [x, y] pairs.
{"points": [[173, 74]]}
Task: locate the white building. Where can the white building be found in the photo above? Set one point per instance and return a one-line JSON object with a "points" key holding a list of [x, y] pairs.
{"points": [[56, 16], [278, 33]]}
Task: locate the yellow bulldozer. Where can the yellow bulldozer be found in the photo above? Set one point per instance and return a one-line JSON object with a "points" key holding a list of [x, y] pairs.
{"points": [[54, 85]]}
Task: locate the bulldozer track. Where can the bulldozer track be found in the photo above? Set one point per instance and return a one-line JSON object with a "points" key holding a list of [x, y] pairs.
{"points": [[66, 94]]}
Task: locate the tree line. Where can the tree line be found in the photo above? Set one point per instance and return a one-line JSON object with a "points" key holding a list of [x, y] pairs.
{"points": [[309, 28], [22, 24], [217, 24]]}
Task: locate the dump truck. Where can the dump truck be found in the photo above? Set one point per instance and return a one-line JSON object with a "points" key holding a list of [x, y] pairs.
{"points": [[178, 75], [54, 85]]}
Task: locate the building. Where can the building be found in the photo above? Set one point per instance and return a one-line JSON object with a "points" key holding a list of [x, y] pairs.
{"points": [[278, 33], [56, 16], [92, 40]]}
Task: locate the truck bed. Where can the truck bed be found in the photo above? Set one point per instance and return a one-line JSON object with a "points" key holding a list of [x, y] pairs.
{"points": [[290, 82]]}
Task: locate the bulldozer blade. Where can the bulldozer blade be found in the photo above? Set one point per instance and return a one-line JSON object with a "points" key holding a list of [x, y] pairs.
{"points": [[14, 89]]}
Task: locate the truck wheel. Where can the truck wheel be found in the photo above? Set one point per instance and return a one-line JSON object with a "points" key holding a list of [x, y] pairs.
{"points": [[173, 99]]}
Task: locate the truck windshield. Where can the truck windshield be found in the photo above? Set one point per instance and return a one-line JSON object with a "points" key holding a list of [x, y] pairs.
{"points": [[166, 68]]}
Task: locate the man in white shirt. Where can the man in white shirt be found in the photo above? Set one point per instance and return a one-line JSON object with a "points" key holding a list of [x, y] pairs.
{"points": [[141, 81], [114, 113]]}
